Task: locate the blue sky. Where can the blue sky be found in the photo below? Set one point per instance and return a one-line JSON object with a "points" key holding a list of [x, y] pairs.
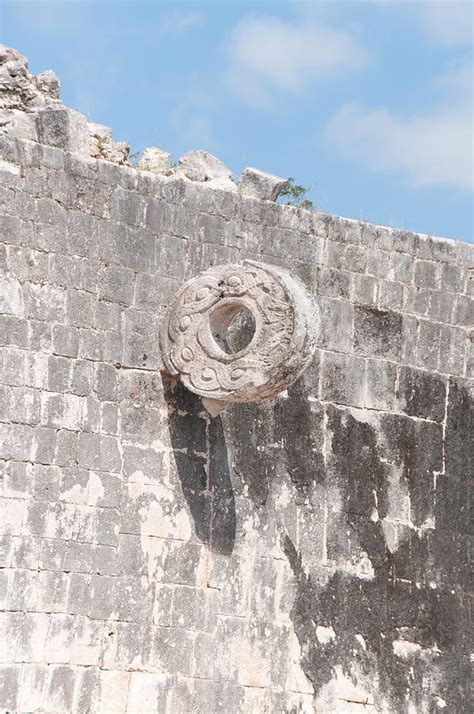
{"points": [[369, 104]]}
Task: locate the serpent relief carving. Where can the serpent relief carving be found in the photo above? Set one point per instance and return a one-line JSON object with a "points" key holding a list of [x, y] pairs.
{"points": [[239, 332]]}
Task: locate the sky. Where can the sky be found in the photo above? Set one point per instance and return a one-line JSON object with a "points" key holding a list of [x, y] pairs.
{"points": [[368, 104]]}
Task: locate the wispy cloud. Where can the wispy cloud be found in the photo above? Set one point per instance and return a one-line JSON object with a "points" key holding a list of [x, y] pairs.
{"points": [[192, 116], [268, 55], [426, 149], [448, 22], [177, 23], [49, 16]]}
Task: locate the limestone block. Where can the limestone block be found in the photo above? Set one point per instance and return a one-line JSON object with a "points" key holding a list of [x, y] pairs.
{"points": [[428, 345], [422, 394], [19, 124], [101, 145], [378, 263], [342, 379], [116, 284], [117, 152], [48, 83], [333, 283], [377, 332], [9, 54], [156, 160], [239, 333], [8, 149], [224, 183], [463, 310], [260, 184], [65, 129], [425, 274], [452, 277], [19, 89], [99, 132], [202, 166], [402, 267]]}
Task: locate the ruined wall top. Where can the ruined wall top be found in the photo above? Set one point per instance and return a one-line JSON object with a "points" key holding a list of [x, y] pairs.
{"points": [[30, 108]]}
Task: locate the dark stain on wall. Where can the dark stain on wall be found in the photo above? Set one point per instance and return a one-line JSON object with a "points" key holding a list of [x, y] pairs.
{"points": [[418, 590], [298, 428], [280, 435], [202, 462], [222, 529], [251, 426]]}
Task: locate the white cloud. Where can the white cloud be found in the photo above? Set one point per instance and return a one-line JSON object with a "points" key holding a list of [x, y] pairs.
{"points": [[267, 55], [448, 22], [426, 149]]}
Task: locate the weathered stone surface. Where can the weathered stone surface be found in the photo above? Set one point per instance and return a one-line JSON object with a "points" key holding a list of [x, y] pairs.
{"points": [[19, 90], [101, 145], [240, 332], [64, 129], [48, 83], [422, 393], [99, 132], [260, 184], [19, 124], [307, 552], [202, 166], [155, 160]]}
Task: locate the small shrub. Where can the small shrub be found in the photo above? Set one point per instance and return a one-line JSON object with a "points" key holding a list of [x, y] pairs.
{"points": [[293, 194]]}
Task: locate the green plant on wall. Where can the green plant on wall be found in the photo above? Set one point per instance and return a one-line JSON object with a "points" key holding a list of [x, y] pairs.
{"points": [[293, 194]]}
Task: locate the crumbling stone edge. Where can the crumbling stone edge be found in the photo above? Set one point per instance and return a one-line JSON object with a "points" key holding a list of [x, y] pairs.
{"points": [[30, 108]]}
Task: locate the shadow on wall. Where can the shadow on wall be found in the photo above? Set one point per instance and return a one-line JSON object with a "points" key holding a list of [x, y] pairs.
{"points": [[202, 462]]}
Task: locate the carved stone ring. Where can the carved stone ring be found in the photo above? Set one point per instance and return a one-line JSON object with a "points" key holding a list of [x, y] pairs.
{"points": [[239, 333]]}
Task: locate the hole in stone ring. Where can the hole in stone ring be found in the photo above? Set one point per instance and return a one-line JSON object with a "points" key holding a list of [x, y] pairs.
{"points": [[232, 327]]}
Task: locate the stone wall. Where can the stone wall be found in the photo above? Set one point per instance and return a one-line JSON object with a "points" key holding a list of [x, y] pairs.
{"points": [[305, 553]]}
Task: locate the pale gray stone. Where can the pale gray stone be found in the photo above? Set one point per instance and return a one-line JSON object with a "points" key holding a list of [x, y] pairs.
{"points": [[116, 284], [268, 355], [260, 184], [65, 340], [334, 283], [100, 132], [378, 263], [48, 83], [342, 379], [101, 145], [9, 54], [202, 166], [19, 124], [364, 290], [156, 160], [425, 274], [64, 129], [89, 451]]}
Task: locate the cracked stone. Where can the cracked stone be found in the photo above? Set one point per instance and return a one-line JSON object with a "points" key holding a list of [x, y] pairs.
{"points": [[202, 166], [260, 184], [48, 83], [156, 160]]}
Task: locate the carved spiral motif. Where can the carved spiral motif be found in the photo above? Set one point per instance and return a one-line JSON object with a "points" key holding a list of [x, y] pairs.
{"points": [[204, 320]]}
